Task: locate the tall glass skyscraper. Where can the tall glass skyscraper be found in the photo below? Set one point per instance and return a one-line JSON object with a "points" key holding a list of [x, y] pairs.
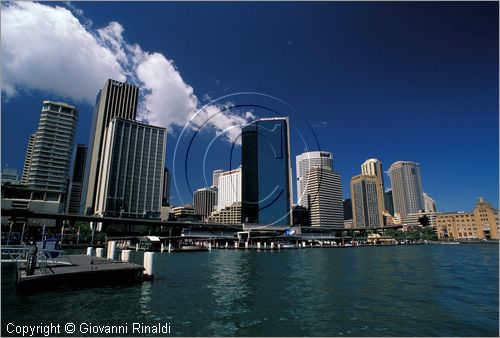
{"points": [[406, 183], [116, 99], [266, 176], [75, 188]]}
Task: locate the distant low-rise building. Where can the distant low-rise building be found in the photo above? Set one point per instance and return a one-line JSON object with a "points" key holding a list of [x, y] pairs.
{"points": [[10, 175], [228, 215], [413, 218], [481, 223], [185, 212]]}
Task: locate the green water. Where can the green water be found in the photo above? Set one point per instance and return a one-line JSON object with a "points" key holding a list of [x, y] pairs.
{"points": [[426, 290]]}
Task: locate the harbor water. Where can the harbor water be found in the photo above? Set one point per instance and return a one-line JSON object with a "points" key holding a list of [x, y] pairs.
{"points": [[421, 290]]}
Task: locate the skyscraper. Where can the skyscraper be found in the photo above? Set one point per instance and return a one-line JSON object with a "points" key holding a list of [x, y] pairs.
{"points": [[324, 195], [27, 159], [229, 189], [51, 151], [165, 201], [133, 164], [204, 201], [74, 205], [367, 196], [116, 99], [306, 161], [429, 204], [373, 167], [347, 205], [215, 177], [406, 185], [389, 206], [266, 176]]}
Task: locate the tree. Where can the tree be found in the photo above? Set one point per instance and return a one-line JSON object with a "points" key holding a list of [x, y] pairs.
{"points": [[424, 220]]}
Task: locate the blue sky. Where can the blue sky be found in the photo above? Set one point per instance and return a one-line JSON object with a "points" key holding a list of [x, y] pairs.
{"points": [[396, 81]]}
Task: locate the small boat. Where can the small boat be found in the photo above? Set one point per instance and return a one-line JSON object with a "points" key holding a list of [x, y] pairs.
{"points": [[450, 242]]}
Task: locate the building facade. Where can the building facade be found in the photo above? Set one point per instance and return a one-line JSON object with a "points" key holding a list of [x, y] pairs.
{"points": [[165, 201], [27, 159], [407, 193], [429, 203], [133, 162], [116, 99], [300, 215], [10, 175], [324, 197], [75, 205], [373, 167], [481, 223], [389, 206], [52, 150], [228, 215], [185, 212], [204, 201], [304, 162], [347, 205], [266, 172], [229, 188], [412, 219], [367, 200], [215, 177], [22, 197]]}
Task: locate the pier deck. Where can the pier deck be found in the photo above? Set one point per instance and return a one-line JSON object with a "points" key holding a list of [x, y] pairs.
{"points": [[84, 271]]}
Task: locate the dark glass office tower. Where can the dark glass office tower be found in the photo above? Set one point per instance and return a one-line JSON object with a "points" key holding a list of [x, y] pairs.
{"points": [[265, 164]]}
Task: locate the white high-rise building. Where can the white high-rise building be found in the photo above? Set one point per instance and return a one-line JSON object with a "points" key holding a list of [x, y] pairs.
{"points": [[406, 184], [305, 162], [229, 188], [324, 196], [429, 204], [215, 177], [50, 151]]}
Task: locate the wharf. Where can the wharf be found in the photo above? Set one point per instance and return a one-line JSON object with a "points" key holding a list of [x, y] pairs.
{"points": [[84, 271]]}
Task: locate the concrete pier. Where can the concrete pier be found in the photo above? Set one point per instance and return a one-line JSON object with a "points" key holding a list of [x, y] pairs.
{"points": [[84, 271]]}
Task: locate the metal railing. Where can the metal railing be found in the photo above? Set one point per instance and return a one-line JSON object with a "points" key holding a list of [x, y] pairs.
{"points": [[44, 257]]}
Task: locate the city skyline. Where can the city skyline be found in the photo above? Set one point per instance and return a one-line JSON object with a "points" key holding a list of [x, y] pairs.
{"points": [[434, 148]]}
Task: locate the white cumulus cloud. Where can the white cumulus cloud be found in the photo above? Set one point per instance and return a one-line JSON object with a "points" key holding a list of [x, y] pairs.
{"points": [[49, 49]]}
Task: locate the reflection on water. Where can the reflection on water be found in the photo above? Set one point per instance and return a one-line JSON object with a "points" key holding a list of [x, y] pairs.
{"points": [[427, 290]]}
